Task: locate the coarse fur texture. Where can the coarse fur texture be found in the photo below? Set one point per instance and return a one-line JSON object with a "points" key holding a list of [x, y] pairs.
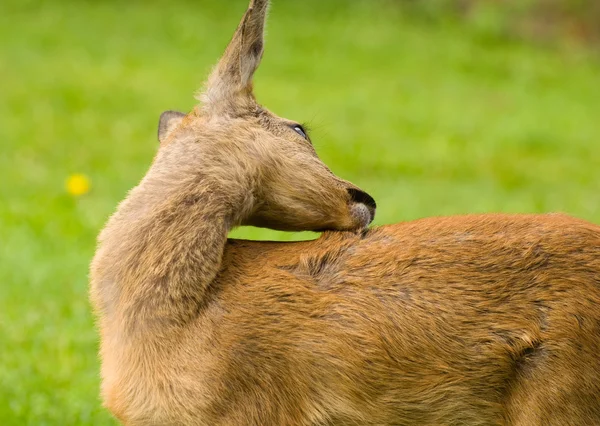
{"points": [[471, 320]]}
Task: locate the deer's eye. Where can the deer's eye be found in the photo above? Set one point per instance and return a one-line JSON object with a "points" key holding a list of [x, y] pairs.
{"points": [[300, 130]]}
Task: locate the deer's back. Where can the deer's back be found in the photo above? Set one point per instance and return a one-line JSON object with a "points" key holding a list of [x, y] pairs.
{"points": [[461, 320]]}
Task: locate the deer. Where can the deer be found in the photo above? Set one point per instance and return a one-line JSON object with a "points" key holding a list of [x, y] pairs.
{"points": [[490, 319]]}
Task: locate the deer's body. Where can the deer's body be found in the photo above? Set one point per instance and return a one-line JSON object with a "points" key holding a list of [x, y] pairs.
{"points": [[474, 320]]}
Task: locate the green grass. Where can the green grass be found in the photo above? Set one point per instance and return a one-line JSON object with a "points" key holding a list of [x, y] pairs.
{"points": [[430, 119]]}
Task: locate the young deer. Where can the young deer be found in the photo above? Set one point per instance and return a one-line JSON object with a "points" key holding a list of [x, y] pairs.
{"points": [[474, 320]]}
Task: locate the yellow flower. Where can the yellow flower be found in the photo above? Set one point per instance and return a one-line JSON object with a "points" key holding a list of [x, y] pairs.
{"points": [[78, 184]]}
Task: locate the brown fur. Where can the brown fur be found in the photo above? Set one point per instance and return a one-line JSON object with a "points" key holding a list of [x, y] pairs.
{"points": [[473, 320]]}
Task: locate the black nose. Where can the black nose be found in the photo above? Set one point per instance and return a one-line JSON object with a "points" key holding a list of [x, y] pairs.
{"points": [[359, 196]]}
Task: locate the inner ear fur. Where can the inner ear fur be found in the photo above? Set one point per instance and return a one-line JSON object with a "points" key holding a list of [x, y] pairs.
{"points": [[168, 121], [233, 74]]}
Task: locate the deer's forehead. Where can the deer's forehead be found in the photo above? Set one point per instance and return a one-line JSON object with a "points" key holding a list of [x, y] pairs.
{"points": [[269, 121], [262, 118], [249, 121]]}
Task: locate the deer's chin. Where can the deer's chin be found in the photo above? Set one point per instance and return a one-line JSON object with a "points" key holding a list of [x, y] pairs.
{"points": [[362, 215]]}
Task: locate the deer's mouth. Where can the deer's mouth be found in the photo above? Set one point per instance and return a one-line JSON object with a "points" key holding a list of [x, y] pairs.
{"points": [[363, 207]]}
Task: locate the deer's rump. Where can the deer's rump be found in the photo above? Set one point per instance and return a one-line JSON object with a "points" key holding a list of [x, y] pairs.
{"points": [[464, 320]]}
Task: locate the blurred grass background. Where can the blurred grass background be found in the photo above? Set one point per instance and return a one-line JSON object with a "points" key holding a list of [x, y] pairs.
{"points": [[440, 107]]}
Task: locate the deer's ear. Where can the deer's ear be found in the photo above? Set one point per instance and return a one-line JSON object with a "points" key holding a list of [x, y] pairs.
{"points": [[167, 122], [233, 74]]}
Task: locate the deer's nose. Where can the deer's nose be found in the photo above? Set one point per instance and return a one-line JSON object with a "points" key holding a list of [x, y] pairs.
{"points": [[361, 197]]}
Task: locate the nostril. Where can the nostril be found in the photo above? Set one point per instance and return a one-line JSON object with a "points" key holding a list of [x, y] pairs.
{"points": [[359, 196]]}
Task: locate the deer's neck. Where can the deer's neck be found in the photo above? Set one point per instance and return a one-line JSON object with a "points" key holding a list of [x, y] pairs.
{"points": [[163, 248]]}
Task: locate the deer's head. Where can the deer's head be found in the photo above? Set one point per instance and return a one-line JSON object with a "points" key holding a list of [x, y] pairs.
{"points": [[292, 189]]}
